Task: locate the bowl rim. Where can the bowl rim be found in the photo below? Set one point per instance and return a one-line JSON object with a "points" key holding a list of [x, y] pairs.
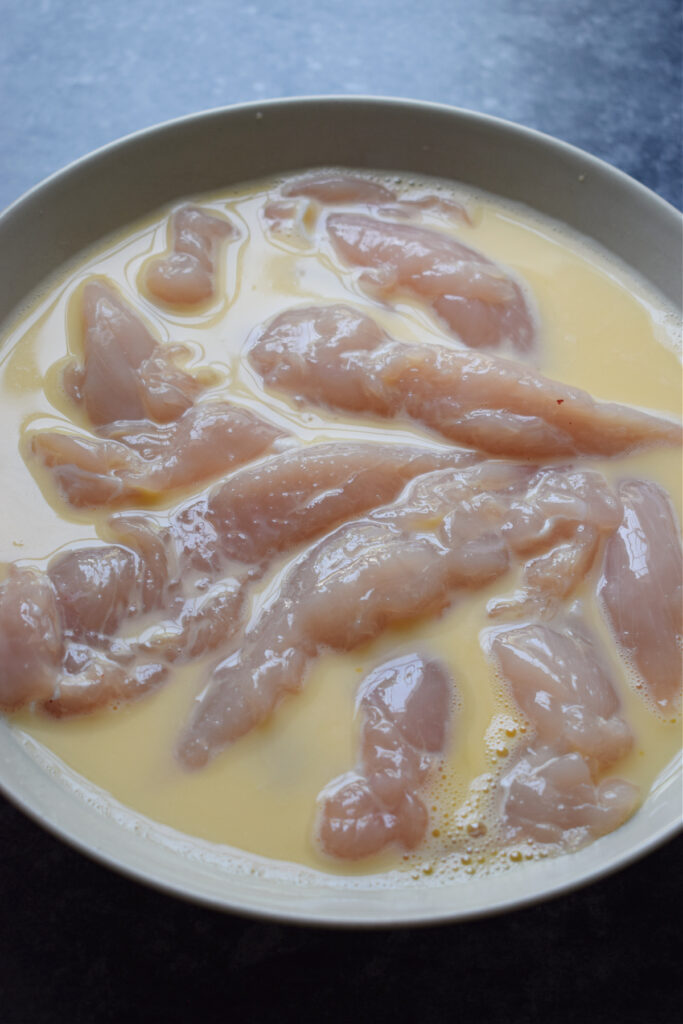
{"points": [[338, 99], [80, 842]]}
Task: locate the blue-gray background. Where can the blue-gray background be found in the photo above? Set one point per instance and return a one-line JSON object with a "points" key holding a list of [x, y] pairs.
{"points": [[78, 943], [602, 74]]}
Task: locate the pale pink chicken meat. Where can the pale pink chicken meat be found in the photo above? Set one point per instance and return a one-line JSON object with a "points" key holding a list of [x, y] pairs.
{"points": [[151, 435], [560, 680], [138, 462], [297, 495], [553, 791], [97, 588], [31, 640], [406, 707], [229, 537], [340, 188], [552, 798], [450, 530], [295, 212], [126, 374], [41, 663], [480, 303], [642, 590], [91, 680], [191, 567], [556, 529], [187, 275], [338, 357]]}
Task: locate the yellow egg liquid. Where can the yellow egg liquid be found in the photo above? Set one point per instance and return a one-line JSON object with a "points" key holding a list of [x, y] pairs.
{"points": [[600, 329]]}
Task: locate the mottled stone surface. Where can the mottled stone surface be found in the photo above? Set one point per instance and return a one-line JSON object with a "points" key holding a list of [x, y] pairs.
{"points": [[80, 944], [604, 75]]}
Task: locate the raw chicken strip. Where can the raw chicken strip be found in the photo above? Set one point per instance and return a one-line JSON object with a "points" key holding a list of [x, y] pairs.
{"points": [[297, 495], [336, 356], [92, 681], [41, 664], [406, 707], [450, 530], [139, 462], [230, 536], [31, 640], [294, 212], [480, 303], [565, 514], [642, 590], [339, 188], [187, 275], [552, 798], [552, 793], [97, 588], [561, 683], [126, 373], [191, 567], [151, 436]]}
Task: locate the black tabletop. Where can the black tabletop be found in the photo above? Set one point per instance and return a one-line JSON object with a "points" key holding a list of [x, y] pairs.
{"points": [[79, 943]]}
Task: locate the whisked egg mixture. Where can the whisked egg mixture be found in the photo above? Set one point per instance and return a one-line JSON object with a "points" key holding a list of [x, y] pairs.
{"points": [[600, 329]]}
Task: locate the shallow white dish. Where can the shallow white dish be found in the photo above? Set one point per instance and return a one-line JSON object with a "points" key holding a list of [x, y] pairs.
{"points": [[209, 151]]}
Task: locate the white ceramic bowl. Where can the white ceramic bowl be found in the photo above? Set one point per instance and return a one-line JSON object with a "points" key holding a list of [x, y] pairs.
{"points": [[213, 150]]}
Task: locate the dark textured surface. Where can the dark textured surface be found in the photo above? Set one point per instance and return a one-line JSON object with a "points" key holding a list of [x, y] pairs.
{"points": [[81, 944]]}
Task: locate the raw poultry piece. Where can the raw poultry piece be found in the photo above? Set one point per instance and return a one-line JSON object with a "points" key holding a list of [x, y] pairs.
{"points": [[339, 188], [553, 791], [642, 591], [560, 680], [338, 357], [151, 436], [40, 664], [294, 213], [224, 540], [406, 706], [553, 798], [187, 571], [186, 276], [334, 187], [479, 302], [138, 462], [451, 530]]}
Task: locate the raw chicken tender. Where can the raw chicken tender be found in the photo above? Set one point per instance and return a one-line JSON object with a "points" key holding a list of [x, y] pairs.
{"points": [[552, 798], [449, 530], [556, 528], [340, 188], [191, 568], [90, 680], [406, 706], [186, 276], [40, 661], [642, 590], [560, 681], [552, 792], [97, 588], [480, 303], [137, 462], [300, 494], [126, 374], [336, 356], [31, 640], [151, 436], [229, 537]]}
